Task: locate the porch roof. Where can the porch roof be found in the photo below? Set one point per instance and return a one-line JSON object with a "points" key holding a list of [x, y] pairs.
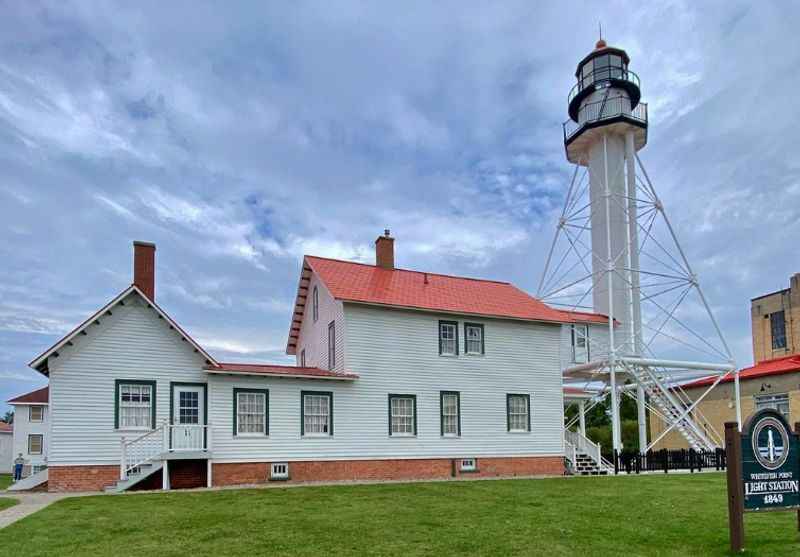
{"points": [[271, 370]]}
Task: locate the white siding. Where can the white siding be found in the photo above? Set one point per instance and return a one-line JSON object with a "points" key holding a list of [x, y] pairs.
{"points": [[133, 343], [6, 451], [24, 427], [396, 351], [314, 336]]}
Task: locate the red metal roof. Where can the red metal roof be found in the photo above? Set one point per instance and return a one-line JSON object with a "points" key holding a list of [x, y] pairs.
{"points": [[358, 282], [777, 366], [6, 428], [39, 396], [281, 371]]}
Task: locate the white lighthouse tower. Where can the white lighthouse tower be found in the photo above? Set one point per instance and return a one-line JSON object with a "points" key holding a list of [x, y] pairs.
{"points": [[616, 253]]}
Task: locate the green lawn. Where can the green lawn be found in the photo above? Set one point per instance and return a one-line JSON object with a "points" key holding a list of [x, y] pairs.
{"points": [[5, 481], [648, 515], [6, 502]]}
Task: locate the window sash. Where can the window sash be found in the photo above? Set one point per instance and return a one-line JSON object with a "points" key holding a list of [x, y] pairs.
{"points": [[448, 338], [402, 415], [450, 414], [317, 414], [474, 338], [777, 322], [774, 402], [518, 413], [35, 442], [36, 414], [251, 413], [135, 406]]}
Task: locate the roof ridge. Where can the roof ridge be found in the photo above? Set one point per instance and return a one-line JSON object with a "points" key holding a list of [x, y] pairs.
{"points": [[429, 273]]}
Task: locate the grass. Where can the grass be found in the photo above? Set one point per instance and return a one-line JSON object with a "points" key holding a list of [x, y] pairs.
{"points": [[5, 481], [6, 502], [649, 515]]}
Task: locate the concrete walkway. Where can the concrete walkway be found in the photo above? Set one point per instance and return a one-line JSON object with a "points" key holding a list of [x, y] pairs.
{"points": [[29, 503]]}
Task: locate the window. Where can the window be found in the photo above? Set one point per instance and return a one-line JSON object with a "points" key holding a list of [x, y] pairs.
{"points": [[135, 404], [279, 471], [35, 443], [473, 338], [303, 358], [774, 402], [36, 413], [580, 343], [315, 304], [450, 408], [777, 324], [251, 412], [317, 413], [468, 465], [518, 409], [448, 338], [332, 345], [402, 415]]}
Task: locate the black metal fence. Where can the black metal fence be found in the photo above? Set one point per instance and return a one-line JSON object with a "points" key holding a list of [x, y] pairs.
{"points": [[634, 462]]}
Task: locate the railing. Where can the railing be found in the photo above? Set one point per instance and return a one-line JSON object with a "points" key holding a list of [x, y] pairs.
{"points": [[585, 446], [600, 110], [140, 450], [665, 460], [183, 437], [571, 454], [165, 438], [603, 75]]}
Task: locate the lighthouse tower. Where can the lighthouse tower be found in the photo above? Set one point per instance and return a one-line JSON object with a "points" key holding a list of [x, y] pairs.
{"points": [[616, 253]]}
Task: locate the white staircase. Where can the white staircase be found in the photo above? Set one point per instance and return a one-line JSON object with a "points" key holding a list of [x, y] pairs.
{"points": [[145, 455], [672, 410], [584, 456], [135, 476]]}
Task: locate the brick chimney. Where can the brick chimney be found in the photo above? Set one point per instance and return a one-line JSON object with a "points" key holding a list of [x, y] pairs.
{"points": [[384, 251], [144, 267]]}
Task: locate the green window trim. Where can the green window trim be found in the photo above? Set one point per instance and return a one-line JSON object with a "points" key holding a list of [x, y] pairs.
{"points": [[466, 339], [236, 392], [508, 410], [413, 406], [153, 399], [455, 328], [303, 394], [441, 412], [332, 345]]}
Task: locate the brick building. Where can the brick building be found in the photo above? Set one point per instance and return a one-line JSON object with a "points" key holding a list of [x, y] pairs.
{"points": [[772, 382], [776, 322]]}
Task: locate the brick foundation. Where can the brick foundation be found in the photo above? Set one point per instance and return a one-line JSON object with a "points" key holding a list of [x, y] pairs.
{"points": [[81, 478], [192, 473], [416, 469]]}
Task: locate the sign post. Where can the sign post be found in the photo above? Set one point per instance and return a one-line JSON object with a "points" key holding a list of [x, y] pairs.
{"points": [[763, 469]]}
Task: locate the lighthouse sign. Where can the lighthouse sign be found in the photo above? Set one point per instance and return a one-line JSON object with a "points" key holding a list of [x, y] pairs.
{"points": [[770, 463]]}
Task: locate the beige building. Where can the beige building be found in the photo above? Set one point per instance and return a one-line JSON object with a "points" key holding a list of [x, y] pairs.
{"points": [[773, 382], [776, 322]]}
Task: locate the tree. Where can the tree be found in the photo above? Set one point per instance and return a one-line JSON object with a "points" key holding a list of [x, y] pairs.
{"points": [[9, 417]]}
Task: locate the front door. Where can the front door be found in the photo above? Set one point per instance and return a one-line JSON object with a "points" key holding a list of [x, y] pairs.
{"points": [[188, 417]]}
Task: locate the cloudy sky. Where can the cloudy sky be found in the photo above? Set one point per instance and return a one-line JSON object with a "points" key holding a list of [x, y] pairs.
{"points": [[240, 139]]}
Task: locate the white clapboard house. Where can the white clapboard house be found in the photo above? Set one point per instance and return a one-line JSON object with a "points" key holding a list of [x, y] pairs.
{"points": [[30, 431], [399, 374]]}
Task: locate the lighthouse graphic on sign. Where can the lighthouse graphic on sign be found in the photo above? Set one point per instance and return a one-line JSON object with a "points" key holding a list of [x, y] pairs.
{"points": [[616, 252]]}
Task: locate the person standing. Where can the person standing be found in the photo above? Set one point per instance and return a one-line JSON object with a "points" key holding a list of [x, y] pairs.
{"points": [[19, 462]]}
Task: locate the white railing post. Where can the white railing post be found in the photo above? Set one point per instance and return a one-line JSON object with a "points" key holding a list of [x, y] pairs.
{"points": [[122, 451], [599, 457], [208, 437], [165, 433]]}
